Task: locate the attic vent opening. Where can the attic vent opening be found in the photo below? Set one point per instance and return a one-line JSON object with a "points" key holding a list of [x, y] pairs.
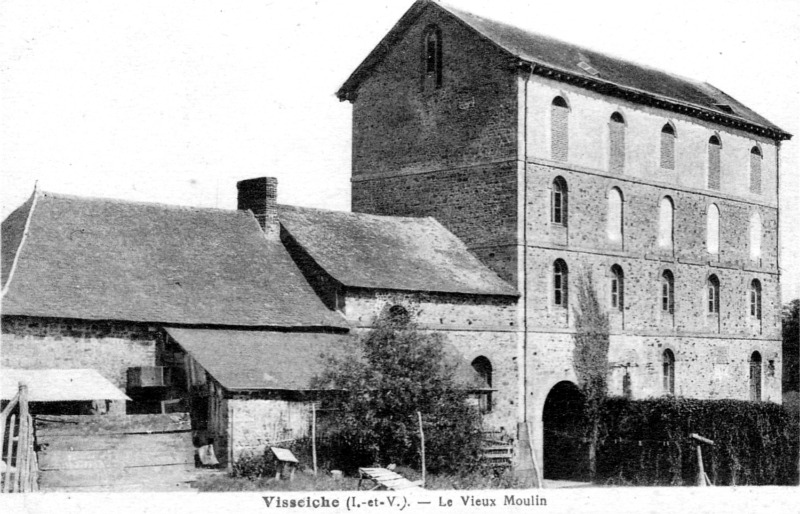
{"points": [[585, 66], [725, 107]]}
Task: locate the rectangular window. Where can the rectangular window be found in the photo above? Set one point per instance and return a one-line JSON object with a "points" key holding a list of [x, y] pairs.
{"points": [[665, 297], [558, 291], [614, 292], [557, 207]]}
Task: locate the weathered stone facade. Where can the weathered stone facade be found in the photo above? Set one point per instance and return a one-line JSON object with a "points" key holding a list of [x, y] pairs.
{"points": [[108, 347], [412, 157], [476, 326]]}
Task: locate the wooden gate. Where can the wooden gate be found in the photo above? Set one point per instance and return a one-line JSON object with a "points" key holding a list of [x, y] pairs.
{"points": [[18, 469], [115, 453]]}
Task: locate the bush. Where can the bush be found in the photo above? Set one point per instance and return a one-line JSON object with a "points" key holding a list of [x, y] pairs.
{"points": [[646, 442], [394, 372]]}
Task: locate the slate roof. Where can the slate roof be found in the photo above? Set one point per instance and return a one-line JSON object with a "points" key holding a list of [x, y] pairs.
{"points": [[560, 61], [91, 258], [59, 385], [248, 360], [389, 252], [259, 359]]}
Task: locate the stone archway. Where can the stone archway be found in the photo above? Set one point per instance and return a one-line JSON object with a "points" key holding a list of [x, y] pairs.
{"points": [[566, 455]]}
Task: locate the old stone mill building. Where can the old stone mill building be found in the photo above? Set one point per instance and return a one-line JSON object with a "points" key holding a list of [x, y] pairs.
{"points": [[491, 168]]}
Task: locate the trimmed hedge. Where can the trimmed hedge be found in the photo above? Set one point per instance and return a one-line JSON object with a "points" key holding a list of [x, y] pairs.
{"points": [[646, 442]]}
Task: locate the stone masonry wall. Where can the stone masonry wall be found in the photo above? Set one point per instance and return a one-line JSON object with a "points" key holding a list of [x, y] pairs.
{"points": [[478, 204], [108, 347], [258, 423], [399, 124], [474, 326]]}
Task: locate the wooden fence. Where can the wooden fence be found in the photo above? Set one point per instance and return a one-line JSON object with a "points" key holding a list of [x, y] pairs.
{"points": [[18, 465], [147, 452]]}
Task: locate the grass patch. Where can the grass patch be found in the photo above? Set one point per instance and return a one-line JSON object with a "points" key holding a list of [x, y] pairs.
{"points": [[304, 481]]}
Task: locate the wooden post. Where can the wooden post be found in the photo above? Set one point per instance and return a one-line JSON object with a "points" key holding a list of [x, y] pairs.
{"points": [[701, 473], [314, 436], [9, 452], [422, 440], [22, 440]]}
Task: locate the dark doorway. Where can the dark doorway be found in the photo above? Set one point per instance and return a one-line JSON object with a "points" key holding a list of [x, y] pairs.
{"points": [[566, 455]]}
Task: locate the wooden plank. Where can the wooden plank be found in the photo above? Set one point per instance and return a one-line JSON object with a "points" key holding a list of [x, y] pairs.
{"points": [[121, 458], [160, 441], [130, 424], [149, 475], [126, 488]]}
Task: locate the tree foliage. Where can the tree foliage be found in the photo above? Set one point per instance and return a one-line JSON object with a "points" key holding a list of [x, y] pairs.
{"points": [[791, 350], [392, 373], [590, 358], [647, 442]]}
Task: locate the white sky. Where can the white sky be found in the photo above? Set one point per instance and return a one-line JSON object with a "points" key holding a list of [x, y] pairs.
{"points": [[175, 101]]}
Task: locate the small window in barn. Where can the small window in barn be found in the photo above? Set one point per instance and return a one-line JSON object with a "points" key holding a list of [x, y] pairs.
{"points": [[616, 151], [668, 371], [560, 283], [755, 236], [667, 292], [432, 56], [614, 215], [712, 229], [668, 147], [755, 299], [398, 314], [755, 170], [558, 201], [755, 377], [559, 129], [714, 151], [666, 212], [712, 285], [483, 367]]}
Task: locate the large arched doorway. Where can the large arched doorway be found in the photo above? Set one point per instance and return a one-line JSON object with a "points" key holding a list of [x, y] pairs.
{"points": [[566, 455]]}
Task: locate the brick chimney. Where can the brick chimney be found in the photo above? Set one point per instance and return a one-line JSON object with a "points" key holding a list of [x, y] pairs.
{"points": [[260, 195]]}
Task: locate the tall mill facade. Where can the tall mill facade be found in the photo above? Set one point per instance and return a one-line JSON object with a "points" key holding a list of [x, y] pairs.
{"points": [[553, 162]]}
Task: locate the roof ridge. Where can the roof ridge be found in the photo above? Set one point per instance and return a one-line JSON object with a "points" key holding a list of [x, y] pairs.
{"points": [[123, 201], [625, 60], [358, 214]]}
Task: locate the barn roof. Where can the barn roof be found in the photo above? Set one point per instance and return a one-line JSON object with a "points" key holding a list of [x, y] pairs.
{"points": [[248, 360], [59, 385], [389, 252], [92, 258], [260, 359], [585, 68]]}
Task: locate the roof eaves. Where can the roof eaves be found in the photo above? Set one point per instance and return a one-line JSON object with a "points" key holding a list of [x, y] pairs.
{"points": [[645, 97]]}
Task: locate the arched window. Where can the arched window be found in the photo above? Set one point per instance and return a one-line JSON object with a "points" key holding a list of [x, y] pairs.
{"points": [[668, 147], [560, 283], [712, 229], [755, 377], [558, 201], [714, 148], [559, 129], [399, 314], [755, 299], [617, 288], [614, 217], [755, 236], [616, 140], [665, 215], [668, 366], [432, 56], [483, 367], [755, 170], [667, 292], [712, 285]]}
